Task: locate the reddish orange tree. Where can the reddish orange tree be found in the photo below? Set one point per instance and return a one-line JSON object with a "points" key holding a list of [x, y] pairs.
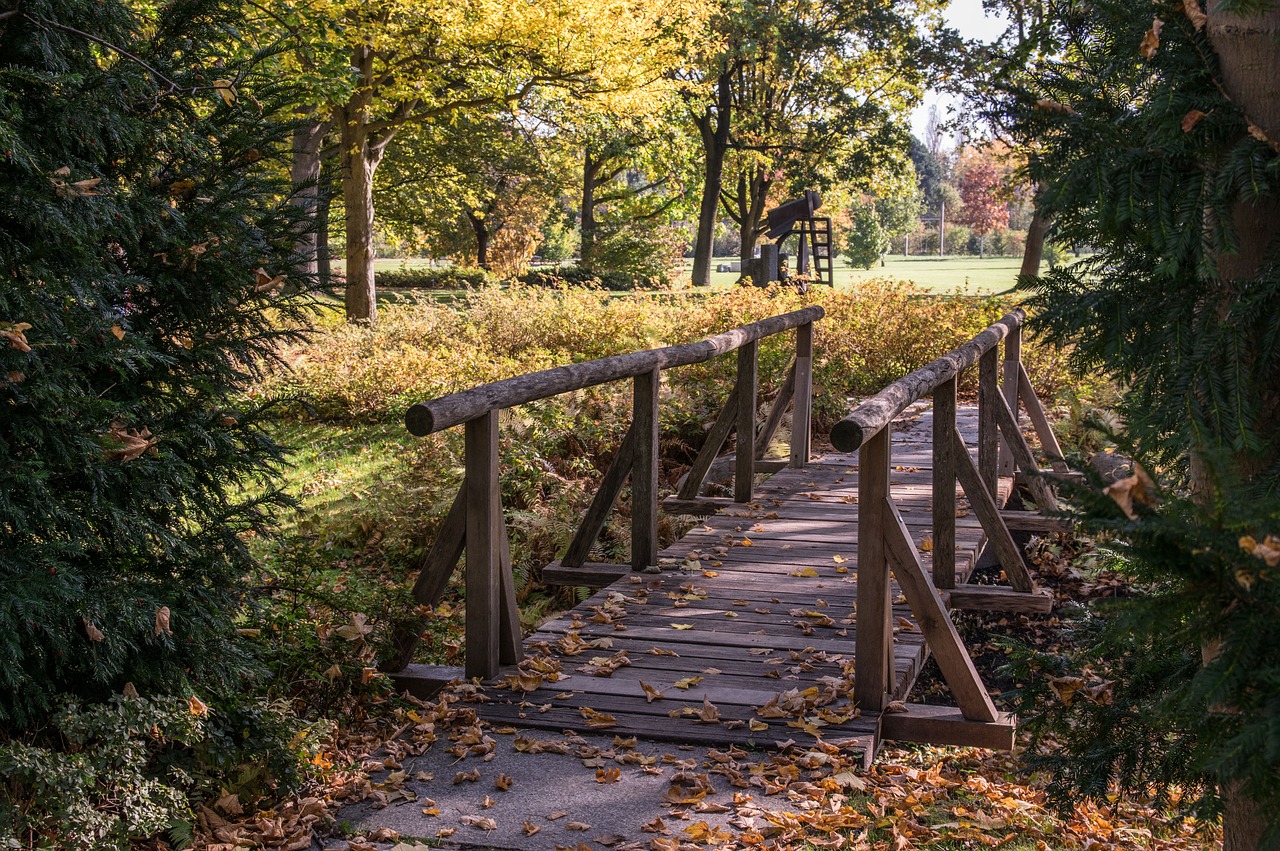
{"points": [[985, 208]]}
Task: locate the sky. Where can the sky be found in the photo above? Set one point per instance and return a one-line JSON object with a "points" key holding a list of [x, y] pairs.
{"points": [[968, 17]]}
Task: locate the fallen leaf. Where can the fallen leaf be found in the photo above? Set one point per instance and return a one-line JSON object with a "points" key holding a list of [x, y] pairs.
{"points": [[650, 693], [530, 828], [479, 822], [471, 776], [682, 626], [1136, 489], [1066, 687], [576, 825], [807, 572], [606, 776], [597, 719], [709, 713], [686, 682], [1191, 119], [117, 332], [503, 782], [557, 815], [1151, 41]]}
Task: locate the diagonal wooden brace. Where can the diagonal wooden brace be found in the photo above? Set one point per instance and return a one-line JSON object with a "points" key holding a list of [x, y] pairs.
{"points": [[1013, 438], [939, 631], [602, 503], [988, 515]]}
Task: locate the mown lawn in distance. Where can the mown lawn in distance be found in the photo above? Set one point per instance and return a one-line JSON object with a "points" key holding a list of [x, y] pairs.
{"points": [[972, 275]]}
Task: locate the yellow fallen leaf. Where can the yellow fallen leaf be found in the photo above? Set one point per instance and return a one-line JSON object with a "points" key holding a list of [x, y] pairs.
{"points": [[682, 626], [650, 693], [687, 682], [807, 573]]}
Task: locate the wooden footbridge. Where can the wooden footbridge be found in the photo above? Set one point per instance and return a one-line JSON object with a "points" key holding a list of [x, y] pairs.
{"points": [[800, 608]]}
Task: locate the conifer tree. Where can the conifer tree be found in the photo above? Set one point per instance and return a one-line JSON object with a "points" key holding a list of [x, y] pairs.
{"points": [[146, 253]]}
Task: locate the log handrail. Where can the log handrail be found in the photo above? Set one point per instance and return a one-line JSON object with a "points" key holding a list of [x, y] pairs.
{"points": [[864, 421], [447, 411]]}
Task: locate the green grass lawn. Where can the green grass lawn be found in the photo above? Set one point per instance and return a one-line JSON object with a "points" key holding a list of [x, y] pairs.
{"points": [[933, 274]]}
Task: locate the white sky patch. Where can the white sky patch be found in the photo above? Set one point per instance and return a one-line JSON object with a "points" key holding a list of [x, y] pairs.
{"points": [[971, 20]]}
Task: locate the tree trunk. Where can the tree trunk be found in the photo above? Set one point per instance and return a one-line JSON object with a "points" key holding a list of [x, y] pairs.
{"points": [[1249, 64], [713, 126], [1033, 253], [480, 227], [982, 246], [587, 247], [324, 208], [358, 168], [752, 197], [305, 173]]}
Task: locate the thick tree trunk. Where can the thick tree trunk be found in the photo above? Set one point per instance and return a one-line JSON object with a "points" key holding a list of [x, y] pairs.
{"points": [[753, 193], [1033, 253], [713, 126], [588, 225], [305, 174], [324, 208], [1248, 48]]}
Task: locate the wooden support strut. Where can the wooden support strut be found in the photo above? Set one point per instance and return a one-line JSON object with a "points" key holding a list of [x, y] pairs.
{"points": [[715, 440], [984, 506], [802, 414], [1009, 388], [944, 485], [644, 471], [1021, 453], [745, 465], [874, 633], [988, 430], [1048, 440], [602, 503], [939, 631], [779, 408], [484, 531]]}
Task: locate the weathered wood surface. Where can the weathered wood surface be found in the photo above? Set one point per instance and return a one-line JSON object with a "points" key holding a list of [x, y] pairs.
{"points": [[757, 601]]}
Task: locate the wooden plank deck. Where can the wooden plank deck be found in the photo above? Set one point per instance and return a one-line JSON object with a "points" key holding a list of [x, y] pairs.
{"points": [[753, 615]]}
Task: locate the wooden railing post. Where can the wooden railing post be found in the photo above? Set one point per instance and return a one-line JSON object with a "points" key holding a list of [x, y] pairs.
{"points": [[644, 471], [802, 413], [944, 485], [745, 466], [484, 558], [874, 629], [1009, 386], [988, 427]]}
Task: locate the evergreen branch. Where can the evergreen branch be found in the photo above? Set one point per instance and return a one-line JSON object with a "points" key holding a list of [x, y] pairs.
{"points": [[108, 45]]}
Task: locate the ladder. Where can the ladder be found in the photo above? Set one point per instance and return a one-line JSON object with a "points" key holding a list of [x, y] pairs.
{"points": [[815, 246]]}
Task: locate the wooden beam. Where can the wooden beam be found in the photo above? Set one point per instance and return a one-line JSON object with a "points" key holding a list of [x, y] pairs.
{"points": [[425, 681], [442, 558], [602, 503], [1017, 444], [945, 725], [940, 633], [644, 470], [484, 532], [988, 428], [774, 418], [874, 634], [1009, 387], [1044, 431], [944, 485], [744, 473], [997, 598], [1031, 521], [510, 639], [593, 574], [989, 516], [802, 413], [719, 433]]}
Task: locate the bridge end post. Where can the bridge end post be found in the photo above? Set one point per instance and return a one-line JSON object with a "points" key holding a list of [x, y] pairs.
{"points": [[944, 485], [484, 526], [644, 470], [874, 635], [802, 412]]}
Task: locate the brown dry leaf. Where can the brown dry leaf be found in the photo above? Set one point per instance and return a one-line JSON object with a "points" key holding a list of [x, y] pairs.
{"points": [[686, 682], [555, 816], [446, 832], [609, 840], [230, 804], [479, 822], [757, 726], [357, 629], [503, 782], [117, 332], [471, 776], [650, 693], [1066, 687], [1191, 119], [130, 443], [530, 828], [658, 651], [1051, 105], [162, 621], [895, 706], [702, 832], [1194, 13], [1138, 488], [197, 706], [597, 720], [606, 776], [92, 631], [227, 91], [1268, 549], [655, 826], [1151, 41], [16, 377], [265, 282], [333, 671], [576, 825], [709, 713]]}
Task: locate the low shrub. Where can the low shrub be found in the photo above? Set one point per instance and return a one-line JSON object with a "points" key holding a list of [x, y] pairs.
{"points": [[576, 276], [434, 278]]}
